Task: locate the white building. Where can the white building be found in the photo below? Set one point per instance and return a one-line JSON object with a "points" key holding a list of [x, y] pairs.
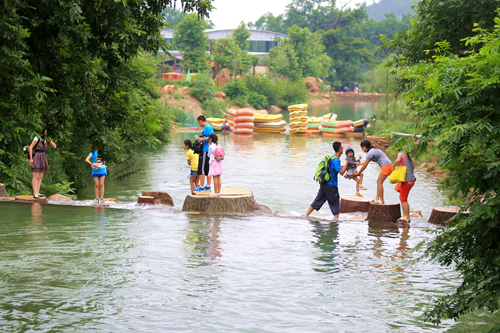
{"points": [[260, 41]]}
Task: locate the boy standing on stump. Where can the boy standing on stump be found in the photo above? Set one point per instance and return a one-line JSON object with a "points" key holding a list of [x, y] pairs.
{"points": [[328, 190]]}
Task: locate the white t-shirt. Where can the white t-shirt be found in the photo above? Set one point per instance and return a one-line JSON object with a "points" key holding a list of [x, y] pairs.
{"points": [[211, 151]]}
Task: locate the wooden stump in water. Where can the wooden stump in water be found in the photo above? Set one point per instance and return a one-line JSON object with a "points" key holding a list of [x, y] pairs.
{"points": [[388, 212], [232, 200], [30, 199], [146, 200], [3, 194], [354, 204], [441, 215]]}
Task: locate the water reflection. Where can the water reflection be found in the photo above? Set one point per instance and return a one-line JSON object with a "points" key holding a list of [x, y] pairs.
{"points": [[202, 247], [390, 243], [326, 239], [36, 213]]}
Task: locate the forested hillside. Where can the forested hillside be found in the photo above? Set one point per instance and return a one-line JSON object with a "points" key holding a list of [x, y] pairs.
{"points": [[378, 9]]}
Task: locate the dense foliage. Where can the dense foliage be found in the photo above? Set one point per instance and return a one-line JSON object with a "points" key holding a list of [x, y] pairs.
{"points": [[191, 39], [76, 66], [456, 96], [348, 37]]}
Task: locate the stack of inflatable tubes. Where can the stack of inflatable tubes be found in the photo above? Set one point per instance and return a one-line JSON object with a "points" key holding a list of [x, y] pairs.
{"points": [[334, 132], [298, 107], [243, 122], [298, 122], [338, 124], [327, 117], [271, 127], [313, 128], [230, 118], [267, 118]]}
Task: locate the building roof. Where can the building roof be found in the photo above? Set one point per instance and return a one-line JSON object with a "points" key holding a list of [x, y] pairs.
{"points": [[259, 35]]}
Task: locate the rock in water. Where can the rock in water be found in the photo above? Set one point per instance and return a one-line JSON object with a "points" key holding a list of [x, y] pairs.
{"points": [[160, 197], [59, 197]]}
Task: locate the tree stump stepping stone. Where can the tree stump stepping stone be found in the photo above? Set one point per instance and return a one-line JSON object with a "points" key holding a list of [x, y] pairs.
{"points": [[146, 200], [160, 197], [354, 204], [388, 212], [232, 200], [442, 215], [30, 199]]}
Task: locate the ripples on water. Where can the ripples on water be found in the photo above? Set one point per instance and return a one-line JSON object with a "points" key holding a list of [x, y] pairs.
{"points": [[83, 268]]}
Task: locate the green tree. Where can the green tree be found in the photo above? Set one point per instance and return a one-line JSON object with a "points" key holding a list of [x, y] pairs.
{"points": [[282, 61], [301, 55], [77, 67], [174, 15], [226, 54], [456, 96], [191, 40], [436, 21], [269, 22], [241, 35]]}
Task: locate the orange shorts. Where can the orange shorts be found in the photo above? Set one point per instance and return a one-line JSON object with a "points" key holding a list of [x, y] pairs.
{"points": [[386, 169]]}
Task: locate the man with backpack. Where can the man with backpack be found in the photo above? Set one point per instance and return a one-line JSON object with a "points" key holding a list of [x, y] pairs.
{"points": [[204, 163], [326, 174]]}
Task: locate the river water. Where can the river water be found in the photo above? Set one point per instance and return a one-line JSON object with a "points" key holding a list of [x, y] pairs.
{"points": [[152, 269]]}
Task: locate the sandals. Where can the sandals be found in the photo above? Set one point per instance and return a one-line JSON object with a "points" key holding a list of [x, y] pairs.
{"points": [[36, 196], [41, 195]]}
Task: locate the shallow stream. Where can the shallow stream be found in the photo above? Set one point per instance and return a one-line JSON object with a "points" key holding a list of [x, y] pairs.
{"points": [[153, 269]]}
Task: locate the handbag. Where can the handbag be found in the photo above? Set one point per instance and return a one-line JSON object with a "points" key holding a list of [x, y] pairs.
{"points": [[398, 175]]}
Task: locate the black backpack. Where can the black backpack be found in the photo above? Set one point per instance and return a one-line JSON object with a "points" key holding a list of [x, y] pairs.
{"points": [[198, 147]]}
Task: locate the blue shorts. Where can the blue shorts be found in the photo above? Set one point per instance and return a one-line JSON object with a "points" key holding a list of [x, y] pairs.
{"points": [[194, 173], [99, 175]]}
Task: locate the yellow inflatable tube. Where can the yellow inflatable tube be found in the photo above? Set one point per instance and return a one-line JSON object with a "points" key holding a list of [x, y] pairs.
{"points": [[298, 107]]}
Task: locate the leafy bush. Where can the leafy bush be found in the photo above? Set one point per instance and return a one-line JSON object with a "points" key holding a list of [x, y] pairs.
{"points": [[202, 88], [262, 85], [277, 92], [258, 101], [291, 93], [179, 96], [236, 89], [240, 101], [213, 108]]}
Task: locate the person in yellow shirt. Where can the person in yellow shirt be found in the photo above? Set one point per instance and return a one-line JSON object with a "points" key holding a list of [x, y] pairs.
{"points": [[192, 160]]}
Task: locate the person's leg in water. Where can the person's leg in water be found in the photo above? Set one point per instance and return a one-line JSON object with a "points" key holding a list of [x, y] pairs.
{"points": [[380, 187], [101, 186], [318, 202], [96, 188]]}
